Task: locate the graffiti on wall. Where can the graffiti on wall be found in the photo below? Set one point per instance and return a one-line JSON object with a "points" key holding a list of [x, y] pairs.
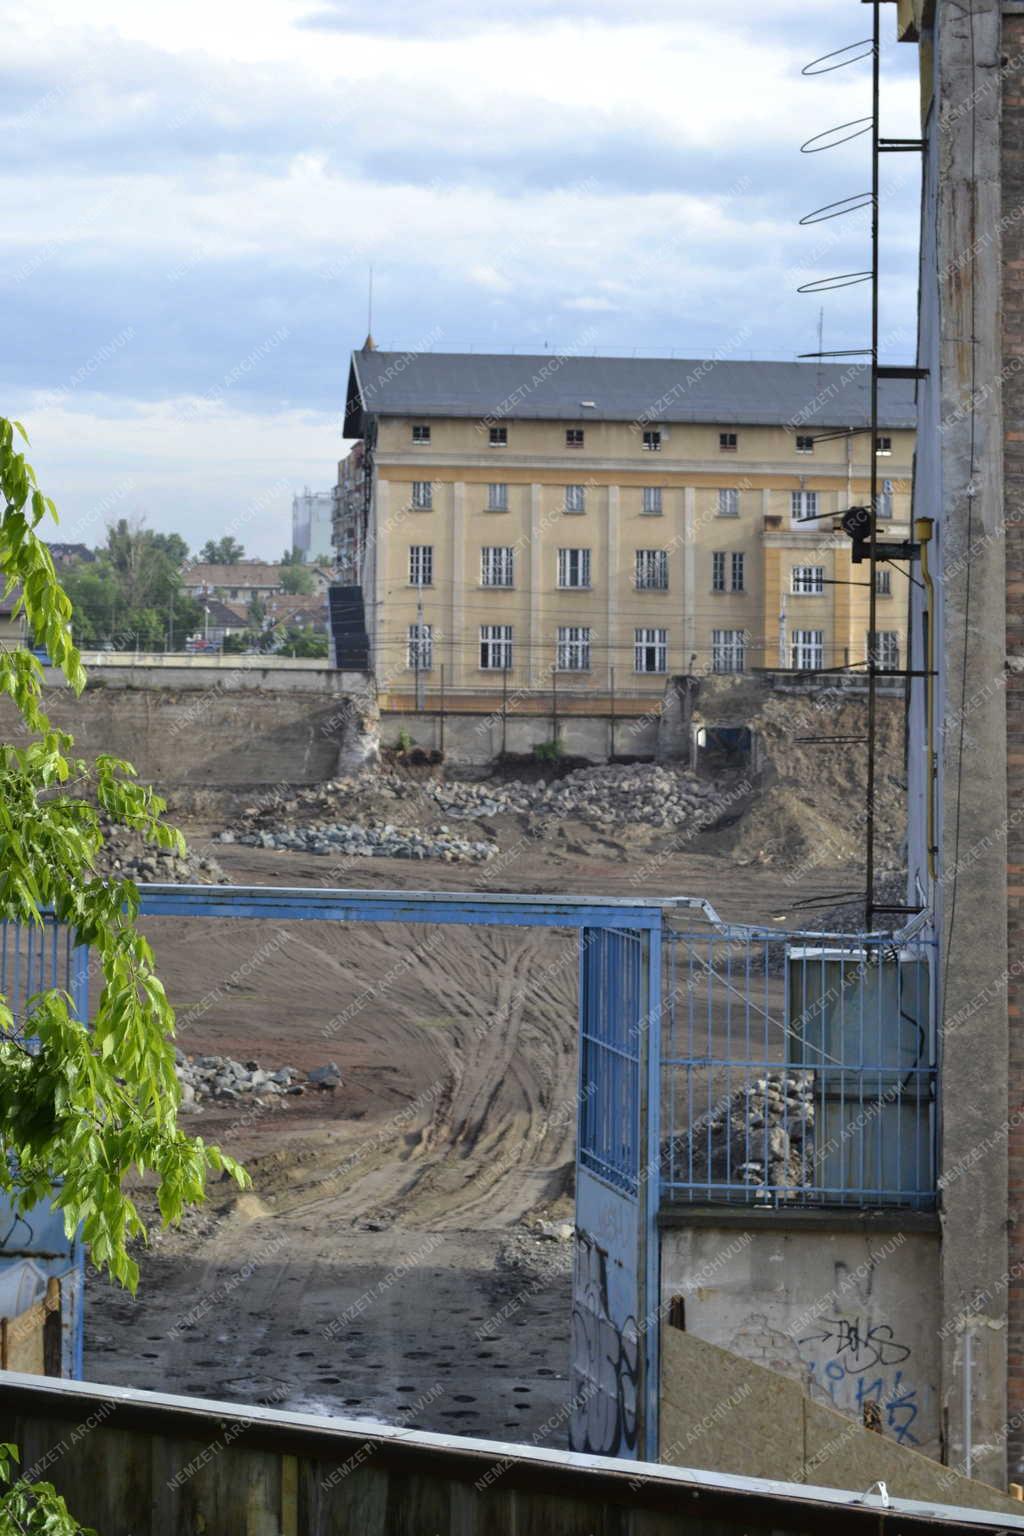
{"points": [[606, 1361], [855, 1363]]}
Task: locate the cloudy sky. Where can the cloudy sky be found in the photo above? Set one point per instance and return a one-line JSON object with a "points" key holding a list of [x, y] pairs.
{"points": [[194, 193]]}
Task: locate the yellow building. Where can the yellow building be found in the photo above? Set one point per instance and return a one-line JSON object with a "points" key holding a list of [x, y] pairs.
{"points": [[603, 522]]}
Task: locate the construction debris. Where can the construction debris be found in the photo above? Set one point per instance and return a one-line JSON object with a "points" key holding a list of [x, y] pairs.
{"points": [[224, 1080], [761, 1134]]}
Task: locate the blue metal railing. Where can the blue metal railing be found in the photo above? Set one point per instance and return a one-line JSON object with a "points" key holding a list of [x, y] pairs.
{"points": [[798, 1070]]}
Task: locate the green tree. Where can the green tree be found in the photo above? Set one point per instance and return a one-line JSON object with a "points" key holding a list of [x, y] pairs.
{"points": [[297, 579], [292, 556], [88, 1105], [226, 551], [131, 595], [299, 642]]}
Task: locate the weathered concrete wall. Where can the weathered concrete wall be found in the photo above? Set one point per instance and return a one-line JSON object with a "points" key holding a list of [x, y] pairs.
{"points": [[959, 483], [476, 738], [214, 734], [719, 1410], [849, 1315]]}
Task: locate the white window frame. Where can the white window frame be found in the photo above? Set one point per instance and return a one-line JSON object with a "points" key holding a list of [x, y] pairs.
{"points": [[650, 500], [420, 647], [807, 581], [804, 443], [883, 582], [423, 495], [497, 437], [571, 433], [807, 650], [650, 645], [651, 570], [883, 447], [884, 501], [573, 653], [803, 505], [727, 446], [888, 651], [497, 565], [495, 647], [574, 570], [575, 498], [652, 440], [420, 432], [718, 570], [497, 496], [421, 565], [728, 650], [737, 571], [728, 501]]}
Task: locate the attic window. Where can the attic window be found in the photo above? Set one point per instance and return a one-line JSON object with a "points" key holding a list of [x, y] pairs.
{"points": [[499, 437], [421, 434], [727, 442], [574, 437], [589, 405]]}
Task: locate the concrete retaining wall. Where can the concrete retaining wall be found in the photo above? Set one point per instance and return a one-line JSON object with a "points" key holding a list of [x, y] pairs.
{"points": [[849, 1315]]}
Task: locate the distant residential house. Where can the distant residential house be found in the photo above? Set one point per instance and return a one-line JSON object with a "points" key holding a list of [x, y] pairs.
{"points": [[308, 611], [236, 583], [68, 554], [221, 620], [12, 627]]}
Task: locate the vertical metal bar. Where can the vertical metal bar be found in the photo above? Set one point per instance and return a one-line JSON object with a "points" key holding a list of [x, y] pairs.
{"points": [[690, 1025], [441, 742], [869, 818], [650, 1191]]}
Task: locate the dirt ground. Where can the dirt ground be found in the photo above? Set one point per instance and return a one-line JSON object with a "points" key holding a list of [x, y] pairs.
{"points": [[390, 1260]]}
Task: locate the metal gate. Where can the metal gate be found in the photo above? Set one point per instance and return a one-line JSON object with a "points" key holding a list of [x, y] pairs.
{"points": [[34, 1246], [614, 1319]]}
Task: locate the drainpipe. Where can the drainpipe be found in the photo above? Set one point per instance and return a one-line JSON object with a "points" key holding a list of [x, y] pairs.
{"points": [[923, 527]]}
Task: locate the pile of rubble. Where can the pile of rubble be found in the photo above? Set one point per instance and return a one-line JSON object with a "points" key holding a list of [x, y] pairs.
{"points": [[351, 815], [224, 1080], [126, 856], [376, 840], [760, 1135]]}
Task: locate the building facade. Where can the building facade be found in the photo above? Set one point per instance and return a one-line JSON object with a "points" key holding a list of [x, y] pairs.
{"points": [[312, 521], [600, 523]]}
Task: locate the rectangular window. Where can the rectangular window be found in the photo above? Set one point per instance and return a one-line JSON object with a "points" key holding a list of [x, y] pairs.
{"points": [[650, 650], [574, 437], [727, 442], [495, 647], [573, 648], [883, 445], [652, 570], [728, 502], [650, 503], [575, 498], [737, 571], [808, 580], [421, 434], [804, 444], [422, 495], [727, 650], [718, 571], [884, 502], [421, 565], [652, 440], [886, 650], [574, 567], [883, 583], [803, 505], [497, 565], [421, 647], [499, 437], [808, 650], [497, 498]]}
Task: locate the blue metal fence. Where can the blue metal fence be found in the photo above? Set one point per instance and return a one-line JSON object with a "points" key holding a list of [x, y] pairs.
{"points": [[798, 1069], [611, 1006]]}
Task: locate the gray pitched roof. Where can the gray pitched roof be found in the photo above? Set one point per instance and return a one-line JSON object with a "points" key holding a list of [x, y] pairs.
{"points": [[553, 387]]}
